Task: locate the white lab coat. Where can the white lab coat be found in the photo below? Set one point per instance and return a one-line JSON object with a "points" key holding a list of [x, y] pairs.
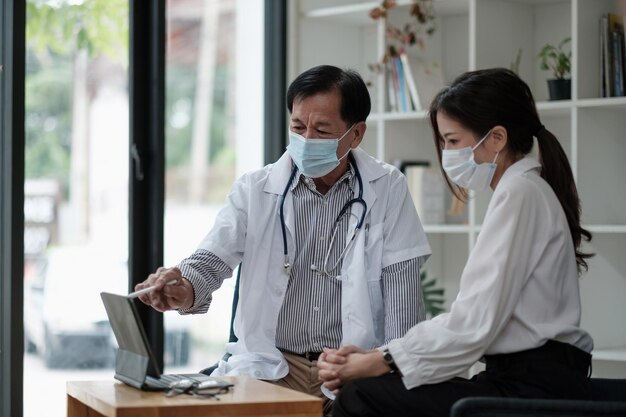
{"points": [[248, 231], [518, 289]]}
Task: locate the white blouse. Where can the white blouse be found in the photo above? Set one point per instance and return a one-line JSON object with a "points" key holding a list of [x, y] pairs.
{"points": [[518, 289]]}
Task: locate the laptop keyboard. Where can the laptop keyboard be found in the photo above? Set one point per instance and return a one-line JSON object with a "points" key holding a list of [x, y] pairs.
{"points": [[165, 380]]}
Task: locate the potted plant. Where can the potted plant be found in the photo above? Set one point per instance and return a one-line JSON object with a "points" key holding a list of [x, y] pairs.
{"points": [[433, 295], [558, 60], [514, 65]]}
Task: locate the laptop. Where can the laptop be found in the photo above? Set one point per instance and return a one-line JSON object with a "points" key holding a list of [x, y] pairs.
{"points": [[135, 363]]}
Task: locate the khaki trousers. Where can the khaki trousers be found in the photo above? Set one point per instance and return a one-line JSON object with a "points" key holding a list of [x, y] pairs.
{"points": [[303, 377]]}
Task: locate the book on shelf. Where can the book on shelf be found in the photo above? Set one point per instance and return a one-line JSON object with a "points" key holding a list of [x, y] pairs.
{"points": [[617, 34], [604, 24], [402, 90], [391, 104], [427, 77], [612, 55], [620, 61], [427, 190], [617, 63], [395, 101], [410, 82]]}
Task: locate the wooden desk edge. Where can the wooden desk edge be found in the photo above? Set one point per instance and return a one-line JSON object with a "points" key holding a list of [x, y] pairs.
{"points": [[83, 402]]}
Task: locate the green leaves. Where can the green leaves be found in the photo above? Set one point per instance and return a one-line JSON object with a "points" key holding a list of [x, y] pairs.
{"points": [[433, 295], [556, 59], [514, 65], [62, 27]]}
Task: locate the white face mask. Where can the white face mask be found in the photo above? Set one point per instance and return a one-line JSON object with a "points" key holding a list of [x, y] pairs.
{"points": [[463, 170]]}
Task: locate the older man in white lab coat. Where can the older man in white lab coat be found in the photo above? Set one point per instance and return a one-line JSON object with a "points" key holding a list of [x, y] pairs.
{"points": [[328, 238]]}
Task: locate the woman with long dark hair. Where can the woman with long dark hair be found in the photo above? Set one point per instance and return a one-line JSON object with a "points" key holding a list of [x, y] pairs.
{"points": [[518, 306]]}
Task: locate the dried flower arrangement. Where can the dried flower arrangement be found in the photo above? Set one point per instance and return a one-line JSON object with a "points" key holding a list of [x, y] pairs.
{"points": [[399, 38]]}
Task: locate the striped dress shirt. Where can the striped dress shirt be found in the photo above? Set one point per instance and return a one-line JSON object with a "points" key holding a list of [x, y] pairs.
{"points": [[310, 317]]}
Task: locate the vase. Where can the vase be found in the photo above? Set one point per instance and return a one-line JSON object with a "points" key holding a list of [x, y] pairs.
{"points": [[560, 89]]}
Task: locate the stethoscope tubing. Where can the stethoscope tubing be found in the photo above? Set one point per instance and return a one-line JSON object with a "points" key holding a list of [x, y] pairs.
{"points": [[358, 200]]}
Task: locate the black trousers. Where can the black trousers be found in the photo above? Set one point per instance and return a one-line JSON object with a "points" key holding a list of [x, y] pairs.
{"points": [[555, 370]]}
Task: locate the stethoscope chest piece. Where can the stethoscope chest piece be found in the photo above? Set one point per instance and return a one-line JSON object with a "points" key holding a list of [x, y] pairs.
{"points": [[287, 265]]}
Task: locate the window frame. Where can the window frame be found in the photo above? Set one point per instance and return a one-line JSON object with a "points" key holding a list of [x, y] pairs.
{"points": [[12, 59], [275, 130], [147, 154]]}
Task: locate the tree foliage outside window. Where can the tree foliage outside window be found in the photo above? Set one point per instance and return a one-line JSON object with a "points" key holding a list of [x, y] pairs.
{"points": [[65, 27], [200, 128], [48, 124], [56, 32]]}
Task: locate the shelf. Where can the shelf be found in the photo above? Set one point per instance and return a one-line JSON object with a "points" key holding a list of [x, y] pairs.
{"points": [[606, 228], [446, 228], [554, 108], [590, 128], [351, 13], [342, 10], [361, 11], [409, 115], [546, 108], [539, 2], [610, 354], [607, 102], [561, 107]]}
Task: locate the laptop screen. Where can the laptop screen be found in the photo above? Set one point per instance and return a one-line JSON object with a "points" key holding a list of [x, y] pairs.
{"points": [[128, 329]]}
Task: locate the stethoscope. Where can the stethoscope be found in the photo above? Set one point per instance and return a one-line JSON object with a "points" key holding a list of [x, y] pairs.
{"points": [[358, 200]]}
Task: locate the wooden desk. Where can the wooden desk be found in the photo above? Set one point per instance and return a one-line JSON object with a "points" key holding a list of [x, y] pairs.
{"points": [[249, 397]]}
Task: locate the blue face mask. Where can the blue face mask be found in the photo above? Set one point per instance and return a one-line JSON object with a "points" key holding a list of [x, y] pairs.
{"points": [[315, 157]]}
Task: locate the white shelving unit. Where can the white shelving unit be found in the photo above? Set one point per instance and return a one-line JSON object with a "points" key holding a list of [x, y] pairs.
{"points": [[473, 34]]}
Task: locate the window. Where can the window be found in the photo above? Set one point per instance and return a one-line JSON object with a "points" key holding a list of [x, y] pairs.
{"points": [[74, 79], [76, 192], [213, 134]]}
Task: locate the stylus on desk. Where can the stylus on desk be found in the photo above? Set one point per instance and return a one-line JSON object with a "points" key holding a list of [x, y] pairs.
{"points": [[147, 290]]}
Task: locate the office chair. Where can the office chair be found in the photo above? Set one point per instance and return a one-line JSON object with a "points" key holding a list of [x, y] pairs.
{"points": [[232, 337], [609, 399], [608, 389]]}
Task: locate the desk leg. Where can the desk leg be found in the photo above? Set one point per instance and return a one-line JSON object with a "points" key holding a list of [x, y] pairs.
{"points": [[77, 409]]}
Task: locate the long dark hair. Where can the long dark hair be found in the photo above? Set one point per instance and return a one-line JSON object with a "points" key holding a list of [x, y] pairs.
{"points": [[483, 99]]}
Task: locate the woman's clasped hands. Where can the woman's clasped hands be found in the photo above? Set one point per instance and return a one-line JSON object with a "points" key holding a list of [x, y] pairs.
{"points": [[338, 366]]}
